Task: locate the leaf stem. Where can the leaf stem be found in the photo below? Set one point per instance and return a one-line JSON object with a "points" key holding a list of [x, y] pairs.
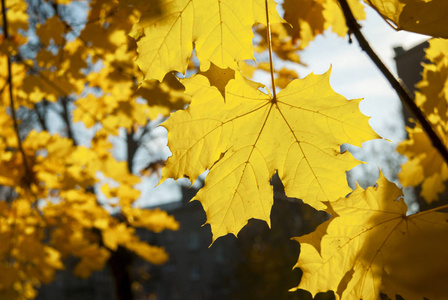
{"points": [[269, 40], [406, 99]]}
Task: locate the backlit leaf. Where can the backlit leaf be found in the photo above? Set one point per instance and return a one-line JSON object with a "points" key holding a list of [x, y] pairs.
{"points": [[244, 139], [370, 246], [220, 30]]}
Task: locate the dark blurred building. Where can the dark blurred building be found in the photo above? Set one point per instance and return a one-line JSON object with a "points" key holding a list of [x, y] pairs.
{"points": [[409, 69], [195, 270], [66, 286], [256, 265]]}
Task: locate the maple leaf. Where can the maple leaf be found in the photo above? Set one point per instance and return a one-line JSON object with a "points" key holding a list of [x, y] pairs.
{"points": [[37, 167], [426, 17], [370, 246], [245, 138], [220, 30]]}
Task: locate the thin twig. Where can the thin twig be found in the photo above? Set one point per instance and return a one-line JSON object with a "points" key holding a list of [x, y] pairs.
{"points": [[40, 117], [66, 117], [406, 99], [269, 39]]}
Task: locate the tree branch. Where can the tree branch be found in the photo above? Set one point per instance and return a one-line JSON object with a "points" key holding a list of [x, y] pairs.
{"points": [[406, 99], [66, 117], [11, 99], [131, 146], [40, 117]]}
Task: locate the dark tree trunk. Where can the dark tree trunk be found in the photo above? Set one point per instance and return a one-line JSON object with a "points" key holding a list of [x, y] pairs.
{"points": [[120, 264]]}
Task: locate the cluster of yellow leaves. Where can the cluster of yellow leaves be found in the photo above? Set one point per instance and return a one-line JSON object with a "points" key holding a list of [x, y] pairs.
{"points": [[25, 259], [51, 201], [62, 174], [425, 165]]}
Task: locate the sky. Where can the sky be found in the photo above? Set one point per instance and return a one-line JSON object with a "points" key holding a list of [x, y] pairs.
{"points": [[353, 76]]}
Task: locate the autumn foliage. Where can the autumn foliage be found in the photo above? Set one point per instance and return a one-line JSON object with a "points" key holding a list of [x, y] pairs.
{"points": [[58, 194], [118, 69]]}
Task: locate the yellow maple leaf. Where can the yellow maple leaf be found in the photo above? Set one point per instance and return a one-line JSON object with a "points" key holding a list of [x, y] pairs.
{"points": [[220, 30], [370, 246], [245, 139], [421, 16]]}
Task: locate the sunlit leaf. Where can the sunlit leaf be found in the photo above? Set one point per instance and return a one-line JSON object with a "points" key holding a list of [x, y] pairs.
{"points": [[220, 30], [370, 246], [244, 139]]}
